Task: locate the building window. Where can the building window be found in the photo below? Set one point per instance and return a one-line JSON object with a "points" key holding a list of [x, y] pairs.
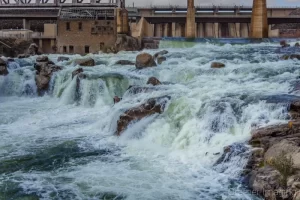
{"points": [[87, 49], [71, 49], [80, 26], [68, 27], [64, 49]]}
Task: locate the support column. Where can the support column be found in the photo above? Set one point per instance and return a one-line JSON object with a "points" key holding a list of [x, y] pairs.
{"points": [[41, 44], [200, 30], [259, 20], [26, 24], [238, 29], [173, 29], [122, 19], [190, 20], [216, 30]]}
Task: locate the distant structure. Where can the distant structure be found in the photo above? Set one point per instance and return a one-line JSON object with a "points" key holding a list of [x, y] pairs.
{"points": [[259, 20], [122, 19], [190, 20]]}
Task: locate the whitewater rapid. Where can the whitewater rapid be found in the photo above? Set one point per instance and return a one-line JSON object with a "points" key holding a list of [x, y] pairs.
{"points": [[60, 146]]}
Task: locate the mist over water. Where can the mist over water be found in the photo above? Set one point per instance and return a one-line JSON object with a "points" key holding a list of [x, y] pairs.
{"points": [[63, 146]]}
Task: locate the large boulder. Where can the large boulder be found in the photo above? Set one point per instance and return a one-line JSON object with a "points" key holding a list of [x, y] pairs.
{"points": [[276, 168], [3, 67], [42, 59], [217, 65], [152, 106], [144, 60], [153, 81], [87, 62], [44, 72], [127, 43]]}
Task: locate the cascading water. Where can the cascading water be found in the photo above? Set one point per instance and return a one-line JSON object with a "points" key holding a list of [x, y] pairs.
{"points": [[62, 145]]}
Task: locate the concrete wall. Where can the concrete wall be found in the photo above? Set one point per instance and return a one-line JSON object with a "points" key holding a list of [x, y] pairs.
{"points": [[94, 34], [50, 30]]}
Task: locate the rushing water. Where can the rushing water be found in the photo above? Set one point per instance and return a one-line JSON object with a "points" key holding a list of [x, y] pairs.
{"points": [[61, 146]]}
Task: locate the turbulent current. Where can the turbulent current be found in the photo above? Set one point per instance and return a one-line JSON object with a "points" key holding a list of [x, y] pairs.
{"points": [[61, 146]]}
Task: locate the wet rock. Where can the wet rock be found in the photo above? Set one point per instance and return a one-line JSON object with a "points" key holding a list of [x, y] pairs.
{"points": [[20, 56], [297, 44], [292, 56], [33, 49], [294, 110], [161, 53], [153, 81], [232, 151], [144, 60], [76, 72], [127, 43], [62, 58], [42, 59], [284, 44], [88, 62], [44, 73], [275, 142], [3, 68], [111, 49], [124, 62], [152, 106], [217, 65], [161, 59], [117, 99]]}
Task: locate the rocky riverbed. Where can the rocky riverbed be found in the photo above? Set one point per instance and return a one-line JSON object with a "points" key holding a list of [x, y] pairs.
{"points": [[207, 122]]}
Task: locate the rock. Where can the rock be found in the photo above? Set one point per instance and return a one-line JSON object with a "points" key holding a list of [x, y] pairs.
{"points": [[127, 43], [117, 99], [111, 49], [33, 49], [284, 44], [42, 59], [294, 110], [217, 65], [153, 81], [3, 68], [231, 151], [45, 71], [88, 62], [292, 56], [161, 59], [161, 53], [20, 56], [152, 106], [62, 58], [276, 142], [144, 60], [297, 44], [76, 72], [138, 89], [124, 62]]}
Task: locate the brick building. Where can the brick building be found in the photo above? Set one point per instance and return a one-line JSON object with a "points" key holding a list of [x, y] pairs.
{"points": [[85, 30]]}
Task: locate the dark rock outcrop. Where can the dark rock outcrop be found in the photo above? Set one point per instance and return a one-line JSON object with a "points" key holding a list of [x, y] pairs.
{"points": [[127, 43], [152, 106], [117, 99], [44, 72], [124, 62], [294, 110], [76, 72], [62, 58], [3, 68], [217, 65], [20, 56], [144, 60], [42, 59], [153, 81], [87, 62], [33, 49], [160, 53], [161, 59], [284, 44]]}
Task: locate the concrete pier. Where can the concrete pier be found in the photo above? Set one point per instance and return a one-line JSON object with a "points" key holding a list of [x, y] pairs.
{"points": [[190, 20], [259, 20]]}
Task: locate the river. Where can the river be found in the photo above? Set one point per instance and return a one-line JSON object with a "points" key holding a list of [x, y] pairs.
{"points": [[61, 146]]}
